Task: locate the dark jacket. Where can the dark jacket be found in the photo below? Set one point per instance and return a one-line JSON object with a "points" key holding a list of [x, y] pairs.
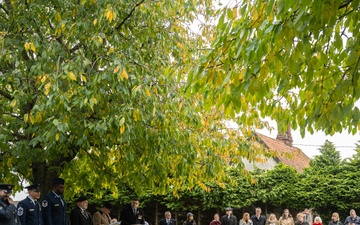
{"points": [[355, 220], [188, 222], [7, 213], [163, 222], [226, 220], [29, 212], [128, 217], [77, 217], [54, 210], [260, 221], [301, 223], [335, 223]]}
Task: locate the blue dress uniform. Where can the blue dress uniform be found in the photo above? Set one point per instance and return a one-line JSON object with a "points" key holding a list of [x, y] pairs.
{"points": [[7, 211], [54, 208], [29, 210]]}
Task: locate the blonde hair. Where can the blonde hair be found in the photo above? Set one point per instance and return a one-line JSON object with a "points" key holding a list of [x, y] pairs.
{"points": [[272, 215], [335, 214], [246, 215], [300, 215]]}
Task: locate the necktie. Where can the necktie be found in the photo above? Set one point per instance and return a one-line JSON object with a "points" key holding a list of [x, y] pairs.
{"points": [[134, 211], [167, 222], [84, 213]]}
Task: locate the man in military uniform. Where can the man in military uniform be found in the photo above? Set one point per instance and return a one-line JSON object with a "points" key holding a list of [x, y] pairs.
{"points": [[132, 214], [54, 205], [29, 209], [7, 207]]}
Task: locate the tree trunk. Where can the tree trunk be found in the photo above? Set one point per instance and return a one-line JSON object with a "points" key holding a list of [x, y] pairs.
{"points": [[199, 216], [156, 213]]}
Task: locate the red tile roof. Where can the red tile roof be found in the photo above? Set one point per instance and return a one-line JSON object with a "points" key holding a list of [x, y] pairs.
{"points": [[289, 155]]}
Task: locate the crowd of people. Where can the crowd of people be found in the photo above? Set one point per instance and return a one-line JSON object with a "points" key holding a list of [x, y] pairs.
{"points": [[52, 211]]}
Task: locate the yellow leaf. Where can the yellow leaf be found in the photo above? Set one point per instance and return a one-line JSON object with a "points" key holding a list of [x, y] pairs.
{"points": [[254, 14], [95, 22], [43, 78], [57, 17], [32, 46], [122, 129], [147, 92], [71, 76], [26, 117], [110, 14], [57, 136], [13, 103], [83, 78], [117, 68], [32, 120], [38, 117], [135, 116], [27, 46], [235, 12], [124, 75], [47, 88], [95, 101]]}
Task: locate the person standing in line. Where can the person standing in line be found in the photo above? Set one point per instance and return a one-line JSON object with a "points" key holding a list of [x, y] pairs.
{"points": [[216, 220], [229, 218], [79, 215], [54, 205], [7, 207], [132, 214], [29, 209], [272, 220], [300, 219], [353, 219], [167, 220], [102, 217], [286, 218], [246, 220], [317, 221], [335, 219], [189, 219], [258, 219]]}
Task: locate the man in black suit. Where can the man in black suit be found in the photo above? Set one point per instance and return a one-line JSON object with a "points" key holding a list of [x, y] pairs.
{"points": [[258, 219], [54, 205], [229, 218], [167, 220], [132, 215], [79, 215]]}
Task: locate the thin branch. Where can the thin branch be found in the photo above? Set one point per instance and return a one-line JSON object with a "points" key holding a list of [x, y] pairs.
{"points": [[6, 95], [76, 47], [129, 15], [344, 4], [3, 8]]}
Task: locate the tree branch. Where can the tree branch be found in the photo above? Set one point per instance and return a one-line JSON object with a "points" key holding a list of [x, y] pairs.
{"points": [[129, 15], [3, 8], [344, 4], [6, 95]]}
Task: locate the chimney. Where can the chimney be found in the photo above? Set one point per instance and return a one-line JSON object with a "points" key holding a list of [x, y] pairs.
{"points": [[286, 138]]}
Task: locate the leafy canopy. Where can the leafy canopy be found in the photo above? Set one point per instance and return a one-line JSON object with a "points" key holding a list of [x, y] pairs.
{"points": [[294, 61]]}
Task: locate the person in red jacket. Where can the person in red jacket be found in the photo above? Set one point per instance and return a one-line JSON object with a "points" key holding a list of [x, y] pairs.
{"points": [[216, 220], [317, 221]]}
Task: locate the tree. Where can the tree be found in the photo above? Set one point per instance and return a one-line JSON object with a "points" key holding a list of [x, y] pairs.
{"points": [[296, 62], [323, 181], [88, 92]]}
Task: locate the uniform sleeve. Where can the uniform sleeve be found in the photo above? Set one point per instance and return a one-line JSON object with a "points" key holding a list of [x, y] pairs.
{"points": [[46, 211], [8, 212], [74, 218], [21, 212]]}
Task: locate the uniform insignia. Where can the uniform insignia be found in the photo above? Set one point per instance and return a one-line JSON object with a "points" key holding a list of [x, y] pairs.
{"points": [[56, 205], [44, 204], [31, 209], [1, 208], [20, 211]]}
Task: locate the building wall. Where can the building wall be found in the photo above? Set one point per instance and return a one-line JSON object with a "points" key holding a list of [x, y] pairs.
{"points": [[268, 165]]}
